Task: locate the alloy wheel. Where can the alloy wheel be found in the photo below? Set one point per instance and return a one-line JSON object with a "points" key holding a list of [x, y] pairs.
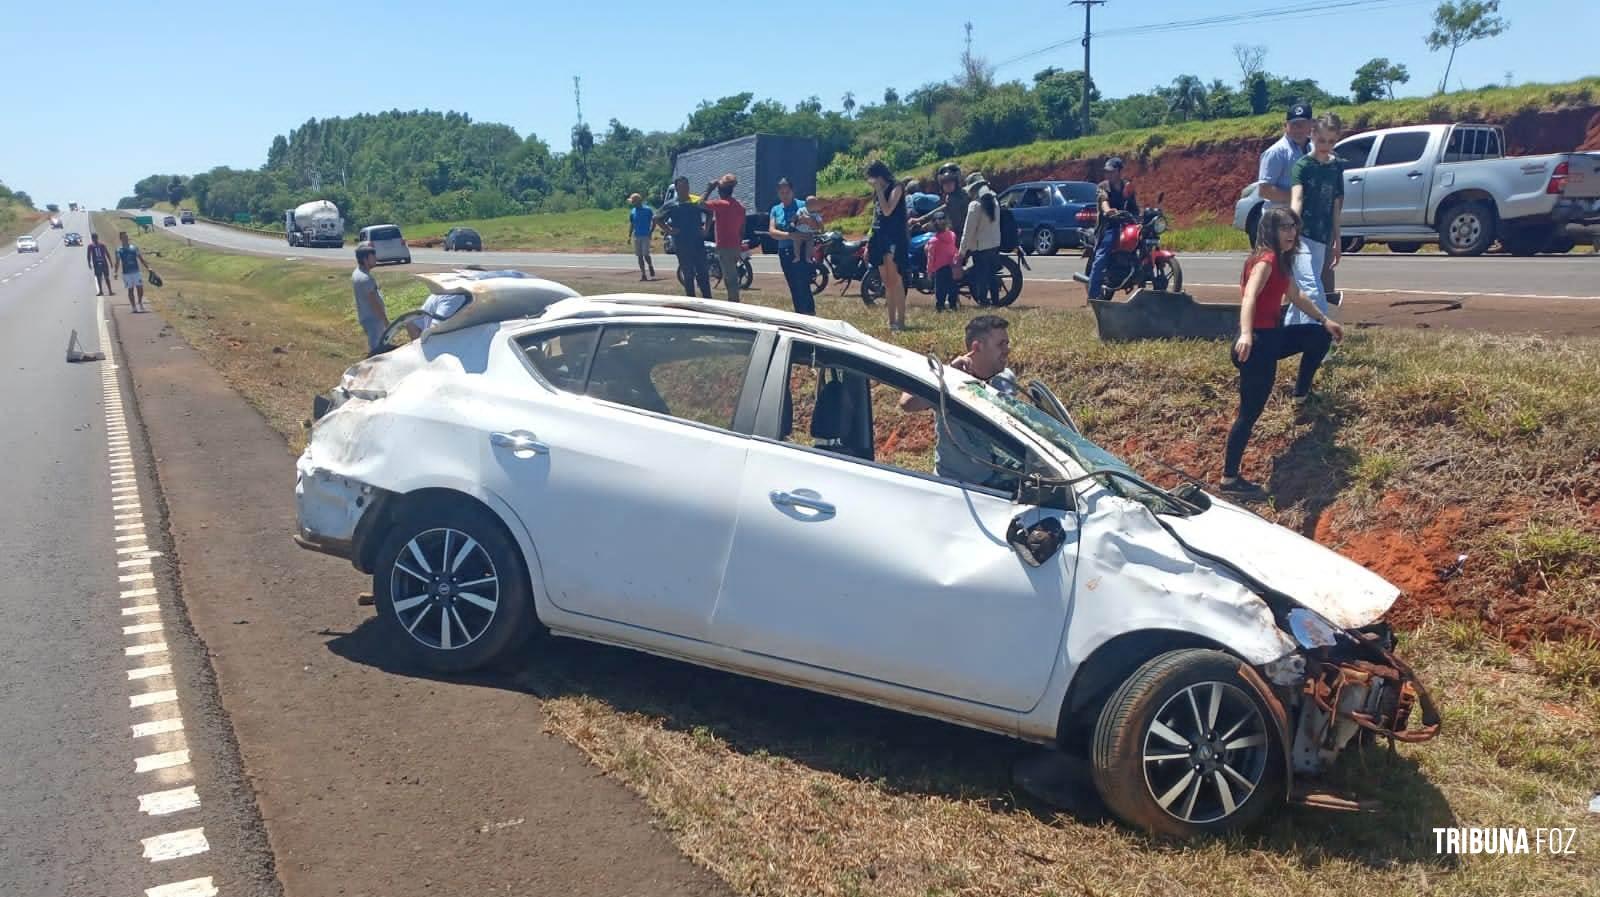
{"points": [[1205, 752], [444, 589]]}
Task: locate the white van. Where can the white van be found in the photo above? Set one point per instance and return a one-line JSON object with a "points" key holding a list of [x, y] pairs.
{"points": [[390, 245]]}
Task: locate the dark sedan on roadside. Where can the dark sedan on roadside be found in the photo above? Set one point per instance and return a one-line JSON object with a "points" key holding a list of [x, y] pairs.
{"points": [[73, 239], [463, 239], [1046, 213]]}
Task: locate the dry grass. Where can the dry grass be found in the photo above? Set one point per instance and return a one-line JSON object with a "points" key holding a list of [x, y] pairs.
{"points": [[783, 791]]}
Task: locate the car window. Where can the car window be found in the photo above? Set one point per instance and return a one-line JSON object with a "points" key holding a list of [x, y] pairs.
{"points": [[1354, 153], [1402, 147], [1011, 198], [1079, 191], [860, 417], [562, 358], [1031, 198], [1469, 144], [691, 373], [383, 233]]}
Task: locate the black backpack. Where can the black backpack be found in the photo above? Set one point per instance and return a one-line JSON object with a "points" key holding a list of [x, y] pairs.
{"points": [[1008, 230]]}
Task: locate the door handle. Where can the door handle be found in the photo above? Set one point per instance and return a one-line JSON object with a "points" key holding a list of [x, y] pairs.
{"points": [[1355, 179], [519, 442], [793, 500], [1413, 174]]}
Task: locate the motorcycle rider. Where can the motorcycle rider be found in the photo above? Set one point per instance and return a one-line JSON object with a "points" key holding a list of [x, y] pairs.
{"points": [[955, 202], [1116, 198]]}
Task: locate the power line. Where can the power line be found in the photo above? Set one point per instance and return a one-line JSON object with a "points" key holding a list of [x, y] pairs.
{"points": [[1302, 10]]}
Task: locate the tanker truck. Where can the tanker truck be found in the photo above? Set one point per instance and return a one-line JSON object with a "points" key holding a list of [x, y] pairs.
{"points": [[315, 223]]}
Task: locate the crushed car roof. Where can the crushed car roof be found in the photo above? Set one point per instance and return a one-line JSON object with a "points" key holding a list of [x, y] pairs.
{"points": [[496, 296]]}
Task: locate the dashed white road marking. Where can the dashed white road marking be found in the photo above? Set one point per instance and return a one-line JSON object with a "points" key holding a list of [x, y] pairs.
{"points": [[162, 803], [136, 610], [157, 727], [131, 537], [174, 845], [135, 577], [152, 762], [148, 648], [128, 526], [151, 698], [141, 628], [136, 549], [134, 562], [136, 593], [160, 669], [194, 887]]}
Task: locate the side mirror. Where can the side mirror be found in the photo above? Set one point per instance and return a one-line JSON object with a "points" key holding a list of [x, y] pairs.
{"points": [[1037, 543]]}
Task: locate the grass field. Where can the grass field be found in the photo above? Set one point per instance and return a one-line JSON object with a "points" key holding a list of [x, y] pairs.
{"points": [[1418, 449], [16, 220]]}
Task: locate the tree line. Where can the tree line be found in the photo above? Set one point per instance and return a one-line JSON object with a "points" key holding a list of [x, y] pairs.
{"points": [[442, 166]]}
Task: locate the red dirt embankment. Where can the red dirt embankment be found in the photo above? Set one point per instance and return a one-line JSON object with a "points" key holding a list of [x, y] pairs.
{"points": [[1207, 178]]}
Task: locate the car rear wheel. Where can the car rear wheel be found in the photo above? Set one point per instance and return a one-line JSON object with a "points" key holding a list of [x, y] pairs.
{"points": [[1185, 747], [1044, 241], [451, 587]]}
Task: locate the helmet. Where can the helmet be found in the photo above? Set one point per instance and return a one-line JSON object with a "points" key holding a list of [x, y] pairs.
{"points": [[950, 170]]}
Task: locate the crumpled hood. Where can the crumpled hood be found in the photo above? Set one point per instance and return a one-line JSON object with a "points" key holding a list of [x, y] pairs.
{"points": [[1334, 586]]}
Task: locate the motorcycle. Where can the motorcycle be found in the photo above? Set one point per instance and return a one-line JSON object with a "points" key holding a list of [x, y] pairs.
{"points": [[1136, 259], [1007, 275], [747, 274], [834, 257]]}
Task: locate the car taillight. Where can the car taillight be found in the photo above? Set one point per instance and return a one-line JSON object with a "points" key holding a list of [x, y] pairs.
{"points": [[1558, 179], [1087, 216]]}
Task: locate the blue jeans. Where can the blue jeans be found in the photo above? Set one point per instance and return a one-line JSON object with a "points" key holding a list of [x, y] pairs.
{"points": [[797, 274], [1102, 252], [1310, 258]]}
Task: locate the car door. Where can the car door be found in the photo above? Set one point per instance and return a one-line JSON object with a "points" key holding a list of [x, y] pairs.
{"points": [[1353, 155], [623, 458], [873, 565], [1396, 184]]}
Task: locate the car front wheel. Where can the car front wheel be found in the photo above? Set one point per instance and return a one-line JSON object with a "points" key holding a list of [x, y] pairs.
{"points": [[1044, 241], [450, 587], [1185, 748]]}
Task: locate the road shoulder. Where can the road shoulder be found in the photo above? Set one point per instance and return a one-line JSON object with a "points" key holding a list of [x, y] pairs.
{"points": [[369, 781]]}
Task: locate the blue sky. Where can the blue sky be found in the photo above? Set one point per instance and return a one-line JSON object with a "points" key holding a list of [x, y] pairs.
{"points": [[116, 91]]}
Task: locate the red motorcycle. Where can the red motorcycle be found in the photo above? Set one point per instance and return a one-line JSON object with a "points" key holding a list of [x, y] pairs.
{"points": [[1137, 259]]}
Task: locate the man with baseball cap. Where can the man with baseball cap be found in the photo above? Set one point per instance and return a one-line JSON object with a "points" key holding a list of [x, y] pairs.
{"points": [[1276, 171], [1116, 197]]}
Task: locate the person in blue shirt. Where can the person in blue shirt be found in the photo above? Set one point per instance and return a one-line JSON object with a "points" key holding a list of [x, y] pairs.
{"points": [[785, 228], [1275, 174], [641, 218]]}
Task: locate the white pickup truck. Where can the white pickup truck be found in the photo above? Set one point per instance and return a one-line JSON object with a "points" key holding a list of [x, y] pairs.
{"points": [[1454, 185]]}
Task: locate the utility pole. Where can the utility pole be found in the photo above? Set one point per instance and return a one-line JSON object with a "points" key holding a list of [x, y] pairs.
{"points": [[1087, 6], [577, 97]]}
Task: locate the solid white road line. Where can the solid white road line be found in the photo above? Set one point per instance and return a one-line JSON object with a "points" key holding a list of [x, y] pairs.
{"points": [[175, 800], [160, 669], [194, 887], [167, 760], [177, 844], [150, 698]]}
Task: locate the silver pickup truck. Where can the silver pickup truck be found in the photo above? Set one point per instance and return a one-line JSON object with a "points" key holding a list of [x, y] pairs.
{"points": [[1454, 185]]}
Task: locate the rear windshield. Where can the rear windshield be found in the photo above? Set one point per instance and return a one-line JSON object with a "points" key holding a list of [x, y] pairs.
{"points": [[389, 232], [1078, 191], [466, 232]]}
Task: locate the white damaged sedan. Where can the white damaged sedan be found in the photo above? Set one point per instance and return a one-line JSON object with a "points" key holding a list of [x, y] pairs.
{"points": [[737, 487]]}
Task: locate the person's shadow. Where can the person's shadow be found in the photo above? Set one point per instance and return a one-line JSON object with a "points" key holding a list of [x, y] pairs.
{"points": [[906, 754]]}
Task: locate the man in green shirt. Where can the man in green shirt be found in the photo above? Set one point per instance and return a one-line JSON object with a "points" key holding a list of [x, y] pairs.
{"points": [[1317, 196]]}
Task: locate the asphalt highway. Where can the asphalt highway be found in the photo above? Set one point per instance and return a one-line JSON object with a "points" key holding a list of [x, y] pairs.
{"points": [[118, 774], [1572, 275]]}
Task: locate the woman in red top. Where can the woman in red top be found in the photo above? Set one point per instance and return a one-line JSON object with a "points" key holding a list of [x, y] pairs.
{"points": [[1266, 281]]}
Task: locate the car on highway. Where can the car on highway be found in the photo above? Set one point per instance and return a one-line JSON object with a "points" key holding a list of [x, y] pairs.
{"points": [[73, 239], [186, 216], [55, 224], [169, 221], [463, 239], [27, 243], [390, 245], [1046, 213], [1454, 185], [713, 483]]}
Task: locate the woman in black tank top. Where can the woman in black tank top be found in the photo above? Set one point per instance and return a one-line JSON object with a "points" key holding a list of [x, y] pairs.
{"points": [[888, 240]]}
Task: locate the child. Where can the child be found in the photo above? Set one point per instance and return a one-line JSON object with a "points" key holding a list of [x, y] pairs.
{"points": [[942, 263]]}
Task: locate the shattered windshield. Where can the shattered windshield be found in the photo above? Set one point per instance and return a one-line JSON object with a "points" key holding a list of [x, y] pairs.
{"points": [[1091, 457]]}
